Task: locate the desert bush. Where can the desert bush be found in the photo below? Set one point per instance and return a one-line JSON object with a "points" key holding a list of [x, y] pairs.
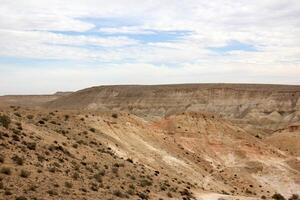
{"points": [[31, 145], [93, 130], [41, 122], [7, 192], [68, 185], [75, 176], [17, 114], [186, 192], [94, 187], [52, 169], [278, 196], [145, 182], [67, 117], [24, 174], [29, 116], [5, 170], [294, 197], [21, 198], [16, 131], [18, 160], [52, 192], [4, 121], [115, 170], [118, 193], [45, 119], [98, 177], [131, 186], [41, 158], [15, 138], [143, 195], [132, 177], [130, 192]]}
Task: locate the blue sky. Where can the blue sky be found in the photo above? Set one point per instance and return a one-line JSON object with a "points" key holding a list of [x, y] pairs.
{"points": [[234, 46], [69, 45]]}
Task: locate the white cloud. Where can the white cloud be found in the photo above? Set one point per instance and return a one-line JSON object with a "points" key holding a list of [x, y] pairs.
{"points": [[30, 29], [126, 30]]}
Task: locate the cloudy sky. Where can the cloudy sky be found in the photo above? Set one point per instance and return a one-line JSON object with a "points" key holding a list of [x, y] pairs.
{"points": [[46, 46]]}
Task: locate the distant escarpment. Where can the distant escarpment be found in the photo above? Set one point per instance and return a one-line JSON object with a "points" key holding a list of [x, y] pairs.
{"points": [[265, 107]]}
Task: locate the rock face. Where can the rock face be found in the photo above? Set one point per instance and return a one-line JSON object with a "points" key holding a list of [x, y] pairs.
{"points": [[265, 107]]}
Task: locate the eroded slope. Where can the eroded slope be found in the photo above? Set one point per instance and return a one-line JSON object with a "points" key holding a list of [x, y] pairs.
{"points": [[264, 107], [96, 155]]}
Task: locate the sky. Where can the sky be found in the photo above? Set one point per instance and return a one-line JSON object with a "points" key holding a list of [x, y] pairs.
{"points": [[67, 45]]}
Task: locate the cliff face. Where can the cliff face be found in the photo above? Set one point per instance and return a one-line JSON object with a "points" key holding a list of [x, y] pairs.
{"points": [[267, 107]]}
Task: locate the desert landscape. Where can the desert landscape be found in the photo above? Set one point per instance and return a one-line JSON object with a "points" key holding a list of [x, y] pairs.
{"points": [[149, 100], [184, 141]]}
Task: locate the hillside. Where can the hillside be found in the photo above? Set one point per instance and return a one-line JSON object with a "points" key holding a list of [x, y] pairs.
{"points": [[287, 139], [263, 107], [103, 155], [54, 155]]}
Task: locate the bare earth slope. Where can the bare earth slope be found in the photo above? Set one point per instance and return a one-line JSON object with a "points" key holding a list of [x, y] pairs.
{"points": [[81, 155], [265, 107], [287, 139], [53, 155]]}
